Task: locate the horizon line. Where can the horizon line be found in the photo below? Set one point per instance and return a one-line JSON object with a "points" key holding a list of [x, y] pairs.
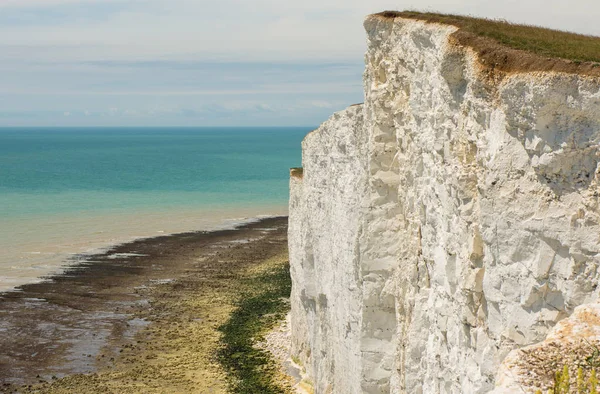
{"points": [[148, 127]]}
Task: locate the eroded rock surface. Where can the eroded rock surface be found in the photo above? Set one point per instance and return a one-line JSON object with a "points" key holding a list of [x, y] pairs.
{"points": [[449, 220], [574, 342]]}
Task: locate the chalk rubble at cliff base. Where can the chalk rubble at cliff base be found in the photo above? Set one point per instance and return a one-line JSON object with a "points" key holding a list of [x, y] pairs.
{"points": [[445, 223]]}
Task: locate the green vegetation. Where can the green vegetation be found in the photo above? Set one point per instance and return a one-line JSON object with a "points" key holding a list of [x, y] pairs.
{"points": [[262, 303], [563, 382], [580, 361], [542, 42]]}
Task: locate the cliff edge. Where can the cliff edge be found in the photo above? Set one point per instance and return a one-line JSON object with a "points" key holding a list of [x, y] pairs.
{"points": [[449, 221]]}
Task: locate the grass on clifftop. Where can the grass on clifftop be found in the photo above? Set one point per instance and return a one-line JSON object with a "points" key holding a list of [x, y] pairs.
{"points": [[546, 44]]}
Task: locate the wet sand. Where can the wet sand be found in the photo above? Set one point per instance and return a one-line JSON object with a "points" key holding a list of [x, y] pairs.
{"points": [[141, 317]]}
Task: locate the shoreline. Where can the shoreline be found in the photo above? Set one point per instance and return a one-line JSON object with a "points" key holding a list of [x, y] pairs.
{"points": [[77, 328], [35, 266]]}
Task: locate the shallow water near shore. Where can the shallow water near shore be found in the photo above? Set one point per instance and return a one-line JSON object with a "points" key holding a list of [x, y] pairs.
{"points": [[36, 247], [65, 192]]}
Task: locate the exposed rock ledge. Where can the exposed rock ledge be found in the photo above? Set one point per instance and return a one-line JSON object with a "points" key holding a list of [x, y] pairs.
{"points": [[448, 221]]}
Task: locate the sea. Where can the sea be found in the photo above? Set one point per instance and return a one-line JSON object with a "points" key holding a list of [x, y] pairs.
{"points": [[69, 192]]}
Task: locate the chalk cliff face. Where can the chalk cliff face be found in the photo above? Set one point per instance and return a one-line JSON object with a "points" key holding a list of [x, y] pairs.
{"points": [[449, 220]]}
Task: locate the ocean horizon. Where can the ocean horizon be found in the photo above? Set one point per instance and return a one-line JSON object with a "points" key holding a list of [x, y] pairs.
{"points": [[68, 191]]}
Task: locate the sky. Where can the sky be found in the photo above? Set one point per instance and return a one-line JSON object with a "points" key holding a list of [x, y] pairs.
{"points": [[208, 63]]}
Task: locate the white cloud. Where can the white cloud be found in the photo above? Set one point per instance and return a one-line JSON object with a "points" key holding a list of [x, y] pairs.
{"points": [[57, 54], [321, 104], [274, 89], [50, 3], [261, 29]]}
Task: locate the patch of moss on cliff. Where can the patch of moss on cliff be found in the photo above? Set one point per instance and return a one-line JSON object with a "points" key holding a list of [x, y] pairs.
{"points": [[297, 172]]}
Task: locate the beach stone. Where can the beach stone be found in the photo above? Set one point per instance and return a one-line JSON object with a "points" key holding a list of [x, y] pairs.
{"points": [[446, 222]]}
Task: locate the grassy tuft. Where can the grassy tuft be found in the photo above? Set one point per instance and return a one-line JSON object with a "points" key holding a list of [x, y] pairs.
{"points": [[584, 382]]}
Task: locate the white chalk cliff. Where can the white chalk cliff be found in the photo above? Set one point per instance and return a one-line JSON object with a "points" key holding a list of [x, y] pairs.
{"points": [[449, 220]]}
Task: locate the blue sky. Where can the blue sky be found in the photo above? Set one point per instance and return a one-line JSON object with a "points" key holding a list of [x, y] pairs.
{"points": [[207, 63]]}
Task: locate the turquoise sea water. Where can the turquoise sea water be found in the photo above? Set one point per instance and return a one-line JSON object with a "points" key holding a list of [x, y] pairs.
{"points": [[81, 188]]}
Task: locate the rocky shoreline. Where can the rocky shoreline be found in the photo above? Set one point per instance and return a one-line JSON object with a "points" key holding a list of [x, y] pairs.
{"points": [[141, 317]]}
